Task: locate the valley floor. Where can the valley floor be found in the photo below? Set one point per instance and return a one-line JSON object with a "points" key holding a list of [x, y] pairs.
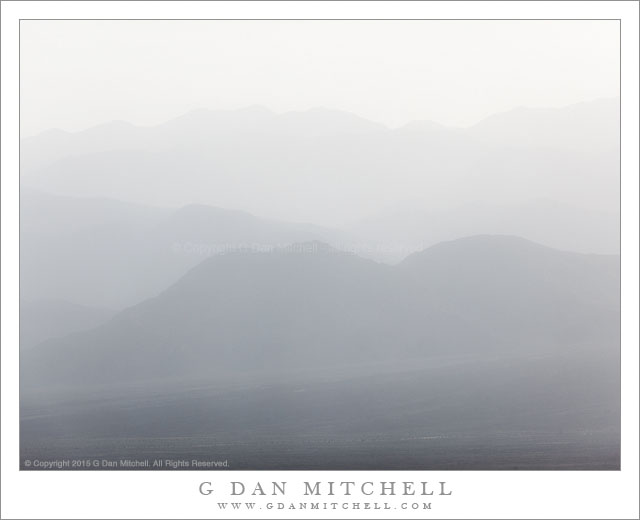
{"points": [[501, 452], [457, 414]]}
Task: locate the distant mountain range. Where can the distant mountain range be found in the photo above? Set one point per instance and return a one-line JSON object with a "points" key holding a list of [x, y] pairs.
{"points": [[327, 166], [486, 312], [100, 252], [312, 306], [544, 221], [105, 253]]}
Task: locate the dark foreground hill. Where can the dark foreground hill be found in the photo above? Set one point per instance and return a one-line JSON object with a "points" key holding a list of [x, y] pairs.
{"points": [[487, 343], [312, 306]]}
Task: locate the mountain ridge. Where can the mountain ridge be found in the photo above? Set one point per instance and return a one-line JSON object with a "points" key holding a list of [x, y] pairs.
{"points": [[260, 109], [343, 309], [265, 164]]}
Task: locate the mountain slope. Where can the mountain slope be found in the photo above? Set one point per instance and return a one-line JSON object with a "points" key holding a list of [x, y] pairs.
{"points": [[523, 289], [46, 319], [107, 253], [316, 307]]}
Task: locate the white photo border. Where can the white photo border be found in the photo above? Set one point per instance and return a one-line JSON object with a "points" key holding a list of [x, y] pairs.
{"points": [[476, 494]]}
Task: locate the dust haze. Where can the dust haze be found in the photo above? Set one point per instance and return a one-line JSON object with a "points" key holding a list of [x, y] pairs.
{"points": [[333, 245]]}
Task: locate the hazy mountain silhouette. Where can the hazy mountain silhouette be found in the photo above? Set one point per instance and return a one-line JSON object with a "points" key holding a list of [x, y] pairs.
{"points": [[326, 166], [201, 125], [310, 307], [44, 214], [489, 351], [542, 221], [532, 294], [252, 335], [576, 127], [106, 253]]}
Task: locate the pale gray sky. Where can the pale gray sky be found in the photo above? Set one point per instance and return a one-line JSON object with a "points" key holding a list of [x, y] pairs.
{"points": [[76, 74]]}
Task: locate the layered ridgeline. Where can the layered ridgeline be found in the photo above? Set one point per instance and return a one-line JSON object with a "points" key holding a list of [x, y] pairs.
{"points": [[478, 352], [105, 253], [314, 307], [100, 252], [295, 165], [489, 352], [547, 222]]}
